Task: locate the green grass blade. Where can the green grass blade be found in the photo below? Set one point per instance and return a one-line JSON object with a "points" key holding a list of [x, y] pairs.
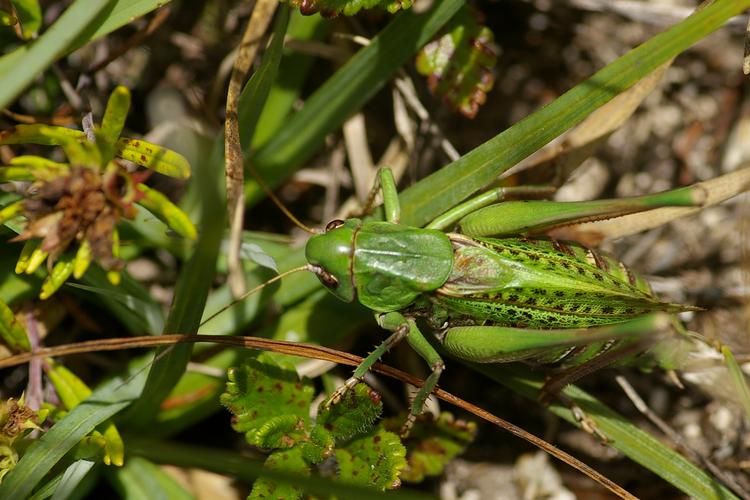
{"points": [[473, 171], [120, 13], [636, 444], [36, 56], [256, 91], [191, 290], [141, 479], [345, 93], [71, 478], [293, 72]]}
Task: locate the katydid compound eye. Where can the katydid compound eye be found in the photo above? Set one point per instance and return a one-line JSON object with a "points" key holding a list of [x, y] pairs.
{"points": [[334, 224], [328, 279]]}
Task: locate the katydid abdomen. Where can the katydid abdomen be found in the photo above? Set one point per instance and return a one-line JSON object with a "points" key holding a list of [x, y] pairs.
{"points": [[542, 284], [539, 284]]}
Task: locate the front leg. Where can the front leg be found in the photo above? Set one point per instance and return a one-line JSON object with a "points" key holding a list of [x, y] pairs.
{"points": [[402, 327]]}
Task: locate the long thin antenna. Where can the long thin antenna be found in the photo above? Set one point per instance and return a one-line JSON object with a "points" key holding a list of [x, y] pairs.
{"points": [[306, 267], [278, 202]]}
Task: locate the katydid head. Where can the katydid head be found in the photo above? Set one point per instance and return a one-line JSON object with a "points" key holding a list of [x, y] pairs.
{"points": [[331, 257]]}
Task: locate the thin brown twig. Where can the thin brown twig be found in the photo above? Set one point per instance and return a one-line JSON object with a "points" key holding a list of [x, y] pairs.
{"points": [[233, 168], [315, 352]]}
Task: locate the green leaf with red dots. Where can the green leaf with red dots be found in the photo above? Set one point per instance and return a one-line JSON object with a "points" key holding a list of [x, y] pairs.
{"points": [[354, 414], [375, 459], [152, 156], [143, 153], [285, 460], [319, 446], [269, 402], [432, 444], [459, 64], [333, 8]]}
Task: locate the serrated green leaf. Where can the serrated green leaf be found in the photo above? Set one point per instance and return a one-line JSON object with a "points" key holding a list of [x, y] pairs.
{"points": [[319, 445], [149, 155], [268, 401], [459, 64], [167, 212], [11, 331], [375, 459], [432, 444], [354, 414], [281, 431], [285, 460]]}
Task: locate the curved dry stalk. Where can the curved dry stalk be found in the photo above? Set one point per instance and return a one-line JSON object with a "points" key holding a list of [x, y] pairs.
{"points": [[315, 352], [234, 170]]}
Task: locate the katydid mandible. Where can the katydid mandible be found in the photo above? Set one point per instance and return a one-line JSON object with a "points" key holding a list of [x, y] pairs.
{"points": [[494, 299]]}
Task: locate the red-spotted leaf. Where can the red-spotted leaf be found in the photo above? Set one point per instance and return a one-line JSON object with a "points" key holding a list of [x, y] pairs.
{"points": [[269, 402], [319, 446], [432, 444], [375, 459], [459, 64], [285, 460], [354, 414]]}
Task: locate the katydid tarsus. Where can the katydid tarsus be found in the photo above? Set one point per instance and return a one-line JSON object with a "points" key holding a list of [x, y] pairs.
{"points": [[495, 299]]}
